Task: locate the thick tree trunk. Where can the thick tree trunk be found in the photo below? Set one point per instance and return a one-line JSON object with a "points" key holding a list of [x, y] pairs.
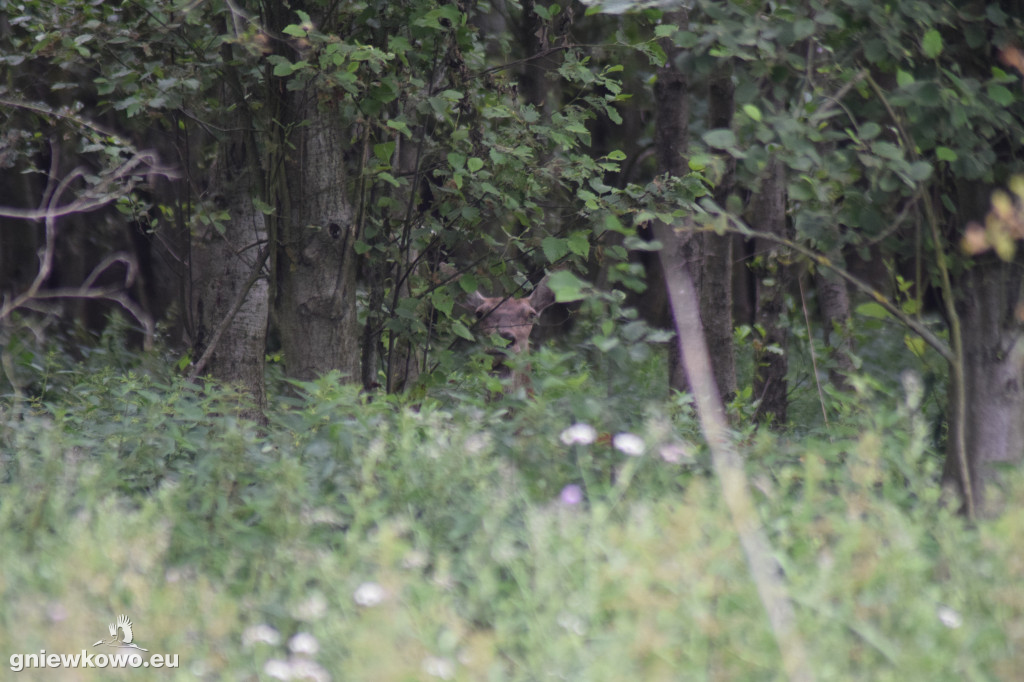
{"points": [[230, 295], [316, 260], [993, 361], [772, 276]]}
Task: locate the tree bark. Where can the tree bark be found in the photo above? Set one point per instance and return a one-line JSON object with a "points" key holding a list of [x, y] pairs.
{"points": [[772, 277], [715, 282], [834, 306], [230, 298], [993, 364], [671, 140], [222, 268], [316, 258]]}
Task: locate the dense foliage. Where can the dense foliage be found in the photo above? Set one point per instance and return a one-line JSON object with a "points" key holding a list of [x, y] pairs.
{"points": [[242, 400]]}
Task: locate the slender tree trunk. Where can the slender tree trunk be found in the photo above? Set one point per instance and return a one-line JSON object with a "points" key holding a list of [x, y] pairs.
{"points": [[316, 259], [772, 276], [836, 320], [993, 362], [716, 268], [671, 140], [404, 354]]}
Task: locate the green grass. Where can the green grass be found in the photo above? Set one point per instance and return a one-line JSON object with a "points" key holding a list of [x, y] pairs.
{"points": [[384, 540]]}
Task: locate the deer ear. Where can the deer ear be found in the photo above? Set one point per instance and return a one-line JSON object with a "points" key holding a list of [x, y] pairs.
{"points": [[474, 300], [541, 296]]}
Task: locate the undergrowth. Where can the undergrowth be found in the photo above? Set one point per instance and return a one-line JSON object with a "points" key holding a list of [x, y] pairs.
{"points": [[368, 537]]}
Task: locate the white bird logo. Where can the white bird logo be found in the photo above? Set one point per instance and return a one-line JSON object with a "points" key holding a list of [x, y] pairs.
{"points": [[125, 625]]}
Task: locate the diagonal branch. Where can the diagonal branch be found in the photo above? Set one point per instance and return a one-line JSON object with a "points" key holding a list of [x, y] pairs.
{"points": [[728, 465]]}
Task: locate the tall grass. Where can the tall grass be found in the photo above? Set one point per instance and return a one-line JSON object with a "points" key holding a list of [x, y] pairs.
{"points": [[368, 538]]}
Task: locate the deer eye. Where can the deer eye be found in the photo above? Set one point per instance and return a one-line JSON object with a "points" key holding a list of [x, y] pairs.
{"points": [[479, 314]]}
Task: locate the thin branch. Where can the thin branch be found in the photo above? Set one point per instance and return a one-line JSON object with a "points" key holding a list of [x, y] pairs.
{"points": [[736, 225], [814, 356], [254, 275], [956, 356]]}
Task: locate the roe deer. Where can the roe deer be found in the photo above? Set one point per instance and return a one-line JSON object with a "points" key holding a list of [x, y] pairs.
{"points": [[511, 319]]}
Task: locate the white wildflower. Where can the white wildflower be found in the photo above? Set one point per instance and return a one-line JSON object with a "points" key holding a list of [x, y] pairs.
{"points": [[304, 643], [629, 444], [675, 453], [949, 617], [260, 634], [439, 667], [415, 559], [305, 669], [278, 669], [579, 434], [572, 623], [369, 594], [312, 609]]}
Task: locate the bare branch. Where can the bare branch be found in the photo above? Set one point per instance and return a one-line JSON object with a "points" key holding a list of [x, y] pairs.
{"points": [[254, 275], [728, 465]]}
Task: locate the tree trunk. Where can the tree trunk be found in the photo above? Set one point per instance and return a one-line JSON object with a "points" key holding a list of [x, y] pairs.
{"points": [[715, 283], [993, 362], [772, 277], [316, 259], [230, 299], [671, 140], [836, 318], [230, 295]]}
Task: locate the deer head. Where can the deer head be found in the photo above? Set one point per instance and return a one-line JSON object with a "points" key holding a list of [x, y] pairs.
{"points": [[511, 319]]}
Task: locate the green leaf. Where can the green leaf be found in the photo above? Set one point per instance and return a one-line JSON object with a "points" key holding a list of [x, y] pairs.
{"points": [[887, 150], [616, 155], [461, 331], [468, 283], [456, 161], [389, 178], [443, 301], [612, 223], [283, 68], [869, 131], [1000, 95], [383, 152], [873, 310], [554, 248], [579, 243], [803, 28], [903, 79], [687, 39], [474, 164], [916, 345], [920, 170], [294, 30], [931, 44], [400, 126], [566, 286], [720, 138], [699, 162], [753, 112]]}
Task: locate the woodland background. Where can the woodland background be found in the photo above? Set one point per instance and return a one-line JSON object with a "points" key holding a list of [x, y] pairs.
{"points": [[239, 383]]}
